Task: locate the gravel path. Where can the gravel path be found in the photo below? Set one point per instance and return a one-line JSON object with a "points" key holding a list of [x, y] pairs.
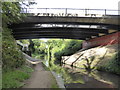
{"points": [[40, 78]]}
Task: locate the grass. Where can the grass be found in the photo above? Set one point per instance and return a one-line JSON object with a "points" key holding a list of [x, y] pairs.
{"points": [[27, 69], [14, 79], [54, 85], [45, 67], [112, 65]]}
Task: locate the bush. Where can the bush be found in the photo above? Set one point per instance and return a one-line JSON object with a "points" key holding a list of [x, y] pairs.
{"points": [[11, 55], [113, 65], [68, 48]]}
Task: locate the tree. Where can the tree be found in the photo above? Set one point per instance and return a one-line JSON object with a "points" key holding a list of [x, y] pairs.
{"points": [[11, 55], [31, 46], [61, 47], [11, 13]]}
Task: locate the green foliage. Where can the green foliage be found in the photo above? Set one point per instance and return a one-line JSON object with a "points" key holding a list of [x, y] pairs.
{"points": [[26, 69], [11, 13], [31, 46], [13, 79], [113, 65], [55, 48], [72, 46], [64, 47], [55, 86], [11, 56], [45, 67], [39, 48], [66, 75], [26, 41]]}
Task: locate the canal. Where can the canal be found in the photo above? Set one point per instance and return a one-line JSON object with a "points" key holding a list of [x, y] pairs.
{"points": [[79, 78]]}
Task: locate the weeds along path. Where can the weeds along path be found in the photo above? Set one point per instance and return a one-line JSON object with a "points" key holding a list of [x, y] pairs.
{"points": [[40, 78]]}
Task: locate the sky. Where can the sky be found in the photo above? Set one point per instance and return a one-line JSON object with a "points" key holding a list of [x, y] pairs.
{"points": [[88, 4]]}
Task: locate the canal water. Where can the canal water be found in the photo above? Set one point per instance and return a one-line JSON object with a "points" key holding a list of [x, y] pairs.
{"points": [[80, 78]]}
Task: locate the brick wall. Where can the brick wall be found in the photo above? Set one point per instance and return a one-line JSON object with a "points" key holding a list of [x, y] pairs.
{"points": [[103, 40]]}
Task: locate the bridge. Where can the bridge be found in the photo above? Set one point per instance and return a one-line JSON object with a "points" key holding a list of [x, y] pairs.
{"points": [[67, 24]]}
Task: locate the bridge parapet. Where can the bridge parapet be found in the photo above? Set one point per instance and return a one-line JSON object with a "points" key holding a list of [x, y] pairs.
{"points": [[112, 20], [86, 27], [69, 12]]}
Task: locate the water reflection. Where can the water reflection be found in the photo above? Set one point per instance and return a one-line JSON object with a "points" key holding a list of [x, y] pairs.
{"points": [[95, 79], [80, 78]]}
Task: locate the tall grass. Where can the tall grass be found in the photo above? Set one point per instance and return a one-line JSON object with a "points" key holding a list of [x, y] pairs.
{"points": [[113, 65], [14, 79]]}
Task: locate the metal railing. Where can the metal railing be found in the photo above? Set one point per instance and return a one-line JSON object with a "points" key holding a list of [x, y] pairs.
{"points": [[69, 11]]}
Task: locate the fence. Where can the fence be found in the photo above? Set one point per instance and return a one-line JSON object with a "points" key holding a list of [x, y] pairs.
{"points": [[69, 11]]}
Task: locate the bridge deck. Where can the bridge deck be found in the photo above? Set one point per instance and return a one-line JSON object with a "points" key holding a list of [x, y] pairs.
{"points": [[27, 28]]}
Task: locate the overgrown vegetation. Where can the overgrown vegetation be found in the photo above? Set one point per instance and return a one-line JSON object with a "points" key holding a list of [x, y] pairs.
{"points": [[14, 78], [12, 58], [112, 65], [54, 84], [54, 49], [59, 48], [36, 46]]}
